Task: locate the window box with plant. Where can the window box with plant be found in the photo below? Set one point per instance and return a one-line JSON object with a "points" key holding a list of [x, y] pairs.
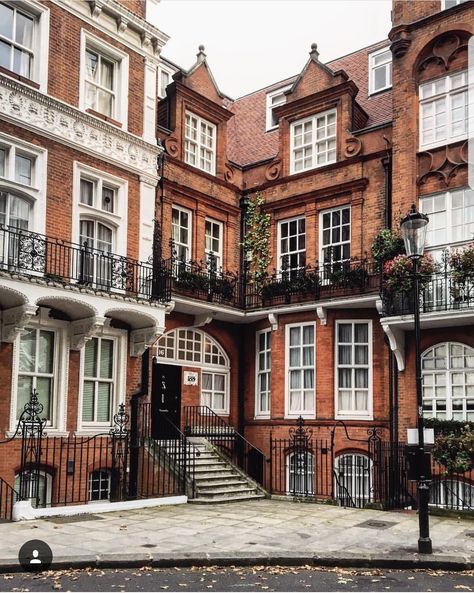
{"points": [[461, 265]]}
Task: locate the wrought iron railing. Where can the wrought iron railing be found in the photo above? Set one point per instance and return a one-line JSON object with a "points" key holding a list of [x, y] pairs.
{"points": [[32, 254], [445, 290], [7, 497], [201, 421], [203, 281]]}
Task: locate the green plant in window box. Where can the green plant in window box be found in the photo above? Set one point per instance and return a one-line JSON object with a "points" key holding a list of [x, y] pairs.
{"points": [[461, 265], [348, 274], [386, 245], [194, 279], [455, 451], [305, 281]]}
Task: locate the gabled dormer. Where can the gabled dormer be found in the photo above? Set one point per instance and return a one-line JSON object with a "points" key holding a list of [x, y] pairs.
{"points": [[319, 113], [194, 114]]}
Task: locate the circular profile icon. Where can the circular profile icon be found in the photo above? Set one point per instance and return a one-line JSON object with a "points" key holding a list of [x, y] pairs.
{"points": [[35, 555]]}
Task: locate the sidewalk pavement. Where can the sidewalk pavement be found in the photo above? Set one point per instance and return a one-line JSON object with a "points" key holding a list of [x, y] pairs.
{"points": [[244, 533]]}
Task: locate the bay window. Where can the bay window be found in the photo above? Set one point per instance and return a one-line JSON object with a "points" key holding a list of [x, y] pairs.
{"points": [[313, 141], [300, 363], [263, 373], [200, 143], [443, 110], [353, 369]]}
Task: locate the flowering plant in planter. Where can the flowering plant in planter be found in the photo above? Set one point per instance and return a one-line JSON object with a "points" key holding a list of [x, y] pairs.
{"points": [[455, 451], [398, 272], [461, 263]]}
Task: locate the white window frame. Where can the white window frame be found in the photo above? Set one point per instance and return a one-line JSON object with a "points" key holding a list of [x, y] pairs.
{"points": [[42, 321], [34, 193], [354, 477], [280, 255], [314, 141], [447, 219], [458, 2], [342, 415], [89, 485], [161, 68], [119, 374], [448, 371], [117, 220], [310, 414], [48, 481], [189, 244], [219, 255], [373, 67], [199, 146], [322, 247], [267, 371], [448, 94], [40, 49], [121, 59], [221, 411], [269, 126]]}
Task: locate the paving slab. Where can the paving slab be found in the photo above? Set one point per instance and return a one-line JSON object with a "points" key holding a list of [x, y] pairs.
{"points": [[248, 532]]}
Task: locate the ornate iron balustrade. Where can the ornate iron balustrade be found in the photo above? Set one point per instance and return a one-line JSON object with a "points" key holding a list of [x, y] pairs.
{"points": [[203, 281], [32, 254], [445, 290]]}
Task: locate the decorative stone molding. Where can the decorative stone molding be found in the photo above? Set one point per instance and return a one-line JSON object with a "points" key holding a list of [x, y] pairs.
{"points": [[353, 147], [202, 320], [31, 109], [171, 145], [273, 319], [83, 330], [455, 158], [122, 24], [401, 42], [396, 339], [146, 39], [444, 50], [15, 319], [141, 339], [322, 315], [229, 173], [96, 8], [273, 171]]}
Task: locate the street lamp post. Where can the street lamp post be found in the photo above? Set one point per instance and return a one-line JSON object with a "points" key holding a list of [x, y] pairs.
{"points": [[413, 229]]}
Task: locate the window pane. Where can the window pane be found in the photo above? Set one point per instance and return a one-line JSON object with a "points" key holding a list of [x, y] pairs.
{"points": [[106, 358], [23, 167], [5, 54], [87, 192], [90, 358], [28, 350], [103, 402], [44, 387], [46, 352], [107, 74], [88, 401], [24, 30], [25, 386], [6, 21]]}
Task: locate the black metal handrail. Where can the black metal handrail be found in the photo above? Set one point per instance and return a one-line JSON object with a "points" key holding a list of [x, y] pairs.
{"points": [[444, 290], [202, 421], [8, 496], [33, 254]]}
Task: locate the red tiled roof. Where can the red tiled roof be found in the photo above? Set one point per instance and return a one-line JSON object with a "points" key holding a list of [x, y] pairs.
{"points": [[248, 142]]}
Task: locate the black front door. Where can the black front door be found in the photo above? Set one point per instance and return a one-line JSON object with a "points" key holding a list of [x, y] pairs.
{"points": [[166, 400]]}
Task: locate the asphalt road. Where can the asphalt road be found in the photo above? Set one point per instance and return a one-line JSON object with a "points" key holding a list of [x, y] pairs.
{"points": [[263, 579]]}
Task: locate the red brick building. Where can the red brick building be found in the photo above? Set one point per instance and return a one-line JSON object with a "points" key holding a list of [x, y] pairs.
{"points": [[338, 153]]}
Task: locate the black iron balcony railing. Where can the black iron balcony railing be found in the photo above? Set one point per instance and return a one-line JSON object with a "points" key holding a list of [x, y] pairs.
{"points": [[201, 280], [444, 290], [32, 254]]}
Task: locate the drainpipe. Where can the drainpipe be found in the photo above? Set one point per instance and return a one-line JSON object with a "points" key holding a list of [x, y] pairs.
{"points": [[243, 279], [134, 436], [387, 165]]}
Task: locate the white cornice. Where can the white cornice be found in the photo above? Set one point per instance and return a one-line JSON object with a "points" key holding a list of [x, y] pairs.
{"points": [[49, 117], [123, 25]]}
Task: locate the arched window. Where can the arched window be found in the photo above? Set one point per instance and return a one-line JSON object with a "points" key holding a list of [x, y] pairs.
{"points": [[451, 493], [195, 348], [353, 479], [448, 381], [36, 487], [99, 485], [300, 473]]}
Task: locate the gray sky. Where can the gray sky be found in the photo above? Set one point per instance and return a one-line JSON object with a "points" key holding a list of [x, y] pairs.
{"points": [[252, 43]]}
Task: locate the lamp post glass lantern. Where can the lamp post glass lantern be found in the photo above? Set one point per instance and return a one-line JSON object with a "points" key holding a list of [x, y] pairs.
{"points": [[413, 229]]}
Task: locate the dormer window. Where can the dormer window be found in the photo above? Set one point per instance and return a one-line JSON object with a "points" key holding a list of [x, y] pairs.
{"points": [[380, 70], [313, 141], [200, 143], [274, 99]]}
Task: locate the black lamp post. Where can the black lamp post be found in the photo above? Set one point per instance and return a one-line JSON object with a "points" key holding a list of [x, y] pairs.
{"points": [[413, 229]]}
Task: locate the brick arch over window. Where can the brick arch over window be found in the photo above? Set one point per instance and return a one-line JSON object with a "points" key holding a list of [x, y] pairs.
{"points": [[448, 381], [193, 347], [445, 53]]}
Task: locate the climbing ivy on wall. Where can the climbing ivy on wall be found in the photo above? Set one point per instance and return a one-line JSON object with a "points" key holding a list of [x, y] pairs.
{"points": [[256, 242]]}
